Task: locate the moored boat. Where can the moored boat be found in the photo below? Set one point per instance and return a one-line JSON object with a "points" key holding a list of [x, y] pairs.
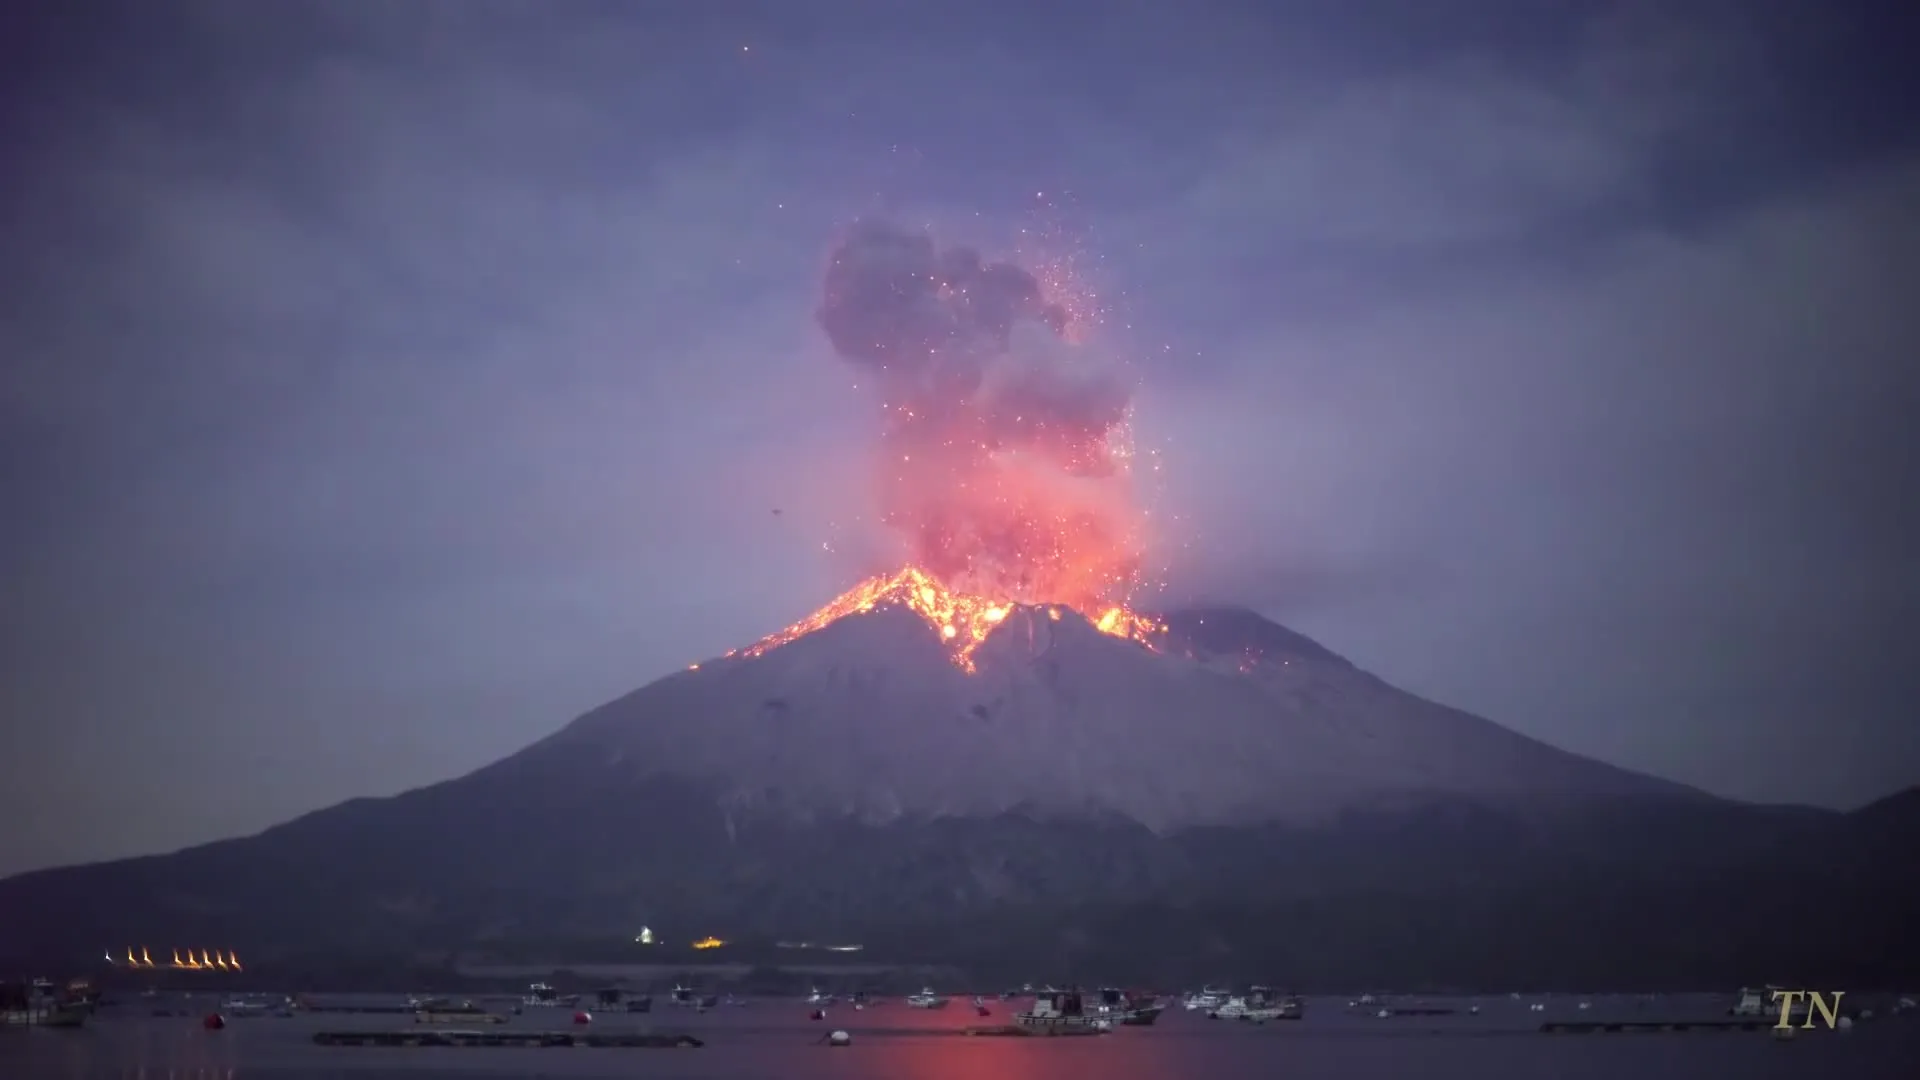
{"points": [[1287, 1007], [1256, 1003], [540, 995], [1207, 999], [926, 999], [1061, 1010], [686, 997]]}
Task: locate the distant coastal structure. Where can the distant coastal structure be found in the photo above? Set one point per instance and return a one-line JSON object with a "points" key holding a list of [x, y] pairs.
{"points": [[194, 960]]}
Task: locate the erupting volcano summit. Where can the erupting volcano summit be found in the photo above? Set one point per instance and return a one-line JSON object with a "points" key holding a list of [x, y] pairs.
{"points": [[1005, 458]]}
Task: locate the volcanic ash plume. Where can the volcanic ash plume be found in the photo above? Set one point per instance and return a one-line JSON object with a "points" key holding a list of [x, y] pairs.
{"points": [[1004, 452]]}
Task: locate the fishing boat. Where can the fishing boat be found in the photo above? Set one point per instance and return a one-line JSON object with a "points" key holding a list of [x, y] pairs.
{"points": [[540, 996], [1063, 1010], [1207, 999], [1124, 1007], [926, 999], [1256, 1000]]}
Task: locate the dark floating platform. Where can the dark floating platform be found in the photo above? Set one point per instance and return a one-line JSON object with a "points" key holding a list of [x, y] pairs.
{"points": [[613, 1040], [1615, 1027], [457, 1016], [1015, 1031]]}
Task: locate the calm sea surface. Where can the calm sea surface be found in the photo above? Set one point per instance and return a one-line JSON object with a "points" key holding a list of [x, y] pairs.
{"points": [[775, 1040]]}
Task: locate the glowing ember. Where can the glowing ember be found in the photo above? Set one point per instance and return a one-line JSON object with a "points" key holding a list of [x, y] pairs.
{"points": [[963, 620]]}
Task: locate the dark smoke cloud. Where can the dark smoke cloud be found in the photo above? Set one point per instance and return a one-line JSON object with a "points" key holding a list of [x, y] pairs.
{"points": [[896, 303], [997, 436]]}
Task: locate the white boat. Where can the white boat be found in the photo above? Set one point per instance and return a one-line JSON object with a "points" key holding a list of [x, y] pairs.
{"points": [[1239, 1005], [1206, 999], [926, 999], [1060, 1010], [819, 999], [540, 995]]}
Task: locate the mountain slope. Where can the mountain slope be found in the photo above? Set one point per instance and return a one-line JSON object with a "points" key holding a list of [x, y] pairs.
{"points": [[868, 717], [1076, 792]]}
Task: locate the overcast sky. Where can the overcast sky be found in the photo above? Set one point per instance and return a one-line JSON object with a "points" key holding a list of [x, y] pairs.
{"points": [[384, 384]]}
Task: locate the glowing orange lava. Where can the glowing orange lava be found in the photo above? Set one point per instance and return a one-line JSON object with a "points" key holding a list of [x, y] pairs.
{"points": [[962, 619]]}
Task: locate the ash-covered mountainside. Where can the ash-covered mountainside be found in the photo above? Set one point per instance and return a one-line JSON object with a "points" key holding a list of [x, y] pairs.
{"points": [[1231, 719], [1239, 803]]}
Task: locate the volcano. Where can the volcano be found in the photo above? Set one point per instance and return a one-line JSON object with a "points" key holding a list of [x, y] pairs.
{"points": [[1197, 794], [905, 700]]}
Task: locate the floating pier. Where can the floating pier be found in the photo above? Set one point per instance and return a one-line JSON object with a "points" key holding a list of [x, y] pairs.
{"points": [[609, 1040], [1619, 1027], [1015, 1031], [457, 1016]]}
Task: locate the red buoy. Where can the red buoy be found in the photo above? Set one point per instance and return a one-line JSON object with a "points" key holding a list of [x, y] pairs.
{"points": [[213, 1022], [818, 1014], [583, 1017]]}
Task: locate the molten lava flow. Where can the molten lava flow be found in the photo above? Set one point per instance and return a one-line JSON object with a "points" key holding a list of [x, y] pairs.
{"points": [[963, 620]]}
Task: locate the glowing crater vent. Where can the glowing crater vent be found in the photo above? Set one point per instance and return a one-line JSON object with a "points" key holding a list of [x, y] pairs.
{"points": [[963, 619]]}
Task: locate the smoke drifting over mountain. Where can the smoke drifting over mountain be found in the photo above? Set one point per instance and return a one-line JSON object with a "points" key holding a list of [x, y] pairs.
{"points": [[1004, 455]]}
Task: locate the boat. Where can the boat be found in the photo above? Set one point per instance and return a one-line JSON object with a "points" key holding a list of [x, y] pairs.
{"points": [[1063, 1010], [1124, 1007], [252, 1006], [1257, 999], [820, 1000], [686, 997], [926, 999], [36, 1005], [1287, 1007], [1206, 999], [540, 995], [1761, 1002]]}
